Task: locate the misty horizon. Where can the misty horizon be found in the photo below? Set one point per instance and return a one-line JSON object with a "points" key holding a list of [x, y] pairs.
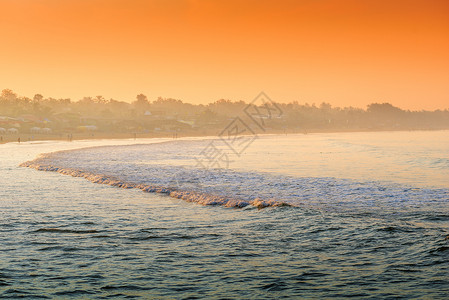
{"points": [[101, 99]]}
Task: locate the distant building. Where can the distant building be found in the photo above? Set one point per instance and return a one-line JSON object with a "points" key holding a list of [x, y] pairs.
{"points": [[46, 130], [13, 131], [35, 130]]}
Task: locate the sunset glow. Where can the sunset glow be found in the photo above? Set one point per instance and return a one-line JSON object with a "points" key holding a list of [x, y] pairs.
{"points": [[347, 53]]}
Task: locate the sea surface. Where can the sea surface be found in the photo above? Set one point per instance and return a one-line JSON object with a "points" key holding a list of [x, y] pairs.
{"points": [[338, 215]]}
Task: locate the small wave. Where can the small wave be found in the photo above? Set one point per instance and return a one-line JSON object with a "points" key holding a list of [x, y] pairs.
{"points": [[58, 230], [396, 229], [88, 223], [125, 287], [440, 249], [438, 217], [4, 283], [74, 293], [275, 286], [189, 196], [102, 236]]}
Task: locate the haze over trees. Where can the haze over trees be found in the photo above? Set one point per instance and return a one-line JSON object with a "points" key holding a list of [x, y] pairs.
{"points": [[167, 115]]}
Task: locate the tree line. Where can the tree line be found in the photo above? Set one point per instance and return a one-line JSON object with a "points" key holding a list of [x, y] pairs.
{"points": [[167, 114]]}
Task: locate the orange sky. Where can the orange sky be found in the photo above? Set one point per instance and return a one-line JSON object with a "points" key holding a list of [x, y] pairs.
{"points": [[346, 52]]}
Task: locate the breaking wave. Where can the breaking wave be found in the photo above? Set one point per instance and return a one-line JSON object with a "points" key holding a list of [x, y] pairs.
{"points": [[186, 195], [168, 168]]}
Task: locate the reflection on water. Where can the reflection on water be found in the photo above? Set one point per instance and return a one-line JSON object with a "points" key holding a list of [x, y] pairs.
{"points": [[414, 158], [392, 175], [66, 237]]}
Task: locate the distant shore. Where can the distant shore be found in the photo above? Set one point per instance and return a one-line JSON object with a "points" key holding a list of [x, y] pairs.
{"points": [[28, 137]]}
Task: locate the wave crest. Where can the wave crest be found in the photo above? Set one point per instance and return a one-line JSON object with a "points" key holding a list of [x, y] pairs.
{"points": [[189, 196]]}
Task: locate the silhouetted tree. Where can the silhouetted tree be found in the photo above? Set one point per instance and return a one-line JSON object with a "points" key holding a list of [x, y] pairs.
{"points": [[141, 102], [38, 98]]}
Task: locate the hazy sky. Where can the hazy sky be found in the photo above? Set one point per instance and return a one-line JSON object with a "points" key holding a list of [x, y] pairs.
{"points": [[348, 53]]}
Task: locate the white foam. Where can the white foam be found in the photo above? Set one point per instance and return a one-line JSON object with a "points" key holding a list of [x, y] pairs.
{"points": [[169, 168]]}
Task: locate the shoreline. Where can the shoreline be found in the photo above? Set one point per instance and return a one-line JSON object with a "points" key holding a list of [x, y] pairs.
{"points": [[28, 137]]}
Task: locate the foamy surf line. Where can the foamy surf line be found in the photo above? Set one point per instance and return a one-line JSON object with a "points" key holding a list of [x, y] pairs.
{"points": [[189, 196], [171, 168]]}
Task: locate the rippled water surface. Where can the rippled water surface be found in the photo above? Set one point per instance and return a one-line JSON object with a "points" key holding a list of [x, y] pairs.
{"points": [[369, 220]]}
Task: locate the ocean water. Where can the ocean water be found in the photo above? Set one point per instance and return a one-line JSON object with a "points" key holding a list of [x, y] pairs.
{"points": [[361, 215]]}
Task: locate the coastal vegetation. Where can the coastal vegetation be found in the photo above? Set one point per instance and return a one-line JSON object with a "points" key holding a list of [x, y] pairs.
{"points": [[97, 116]]}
